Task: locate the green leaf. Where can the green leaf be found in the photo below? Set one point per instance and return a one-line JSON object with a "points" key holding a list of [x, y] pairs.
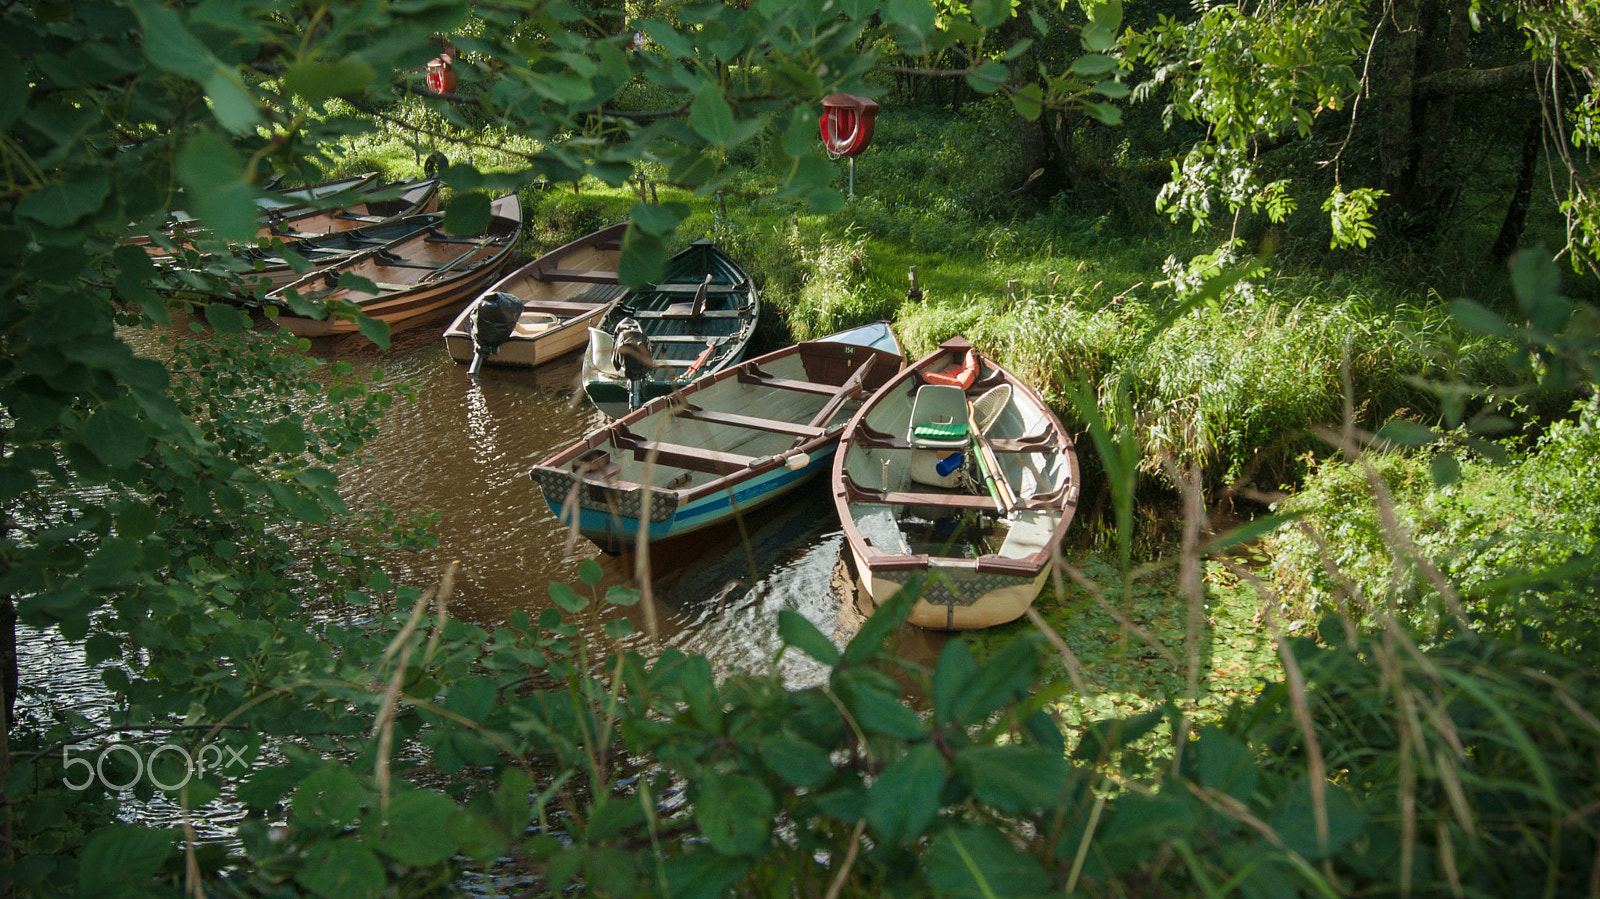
{"points": [[990, 13], [1537, 284], [472, 698], [1294, 820], [644, 258], [1113, 90], [667, 38], [115, 558], [950, 677], [568, 600], [990, 77], [980, 863], [171, 46], [797, 631], [618, 628], [1110, 734], [414, 828], [468, 213], [342, 869], [659, 220], [1004, 678], [226, 319], [327, 796], [883, 621], [374, 330], [877, 710], [1221, 762], [1014, 778], [1445, 469], [1104, 113], [117, 440], [1408, 433], [317, 81], [915, 17], [590, 573], [1093, 65], [1029, 101], [734, 812], [121, 857], [903, 800], [14, 90], [213, 175], [620, 595], [1479, 319], [62, 203], [702, 875], [800, 763], [710, 116], [479, 836]]}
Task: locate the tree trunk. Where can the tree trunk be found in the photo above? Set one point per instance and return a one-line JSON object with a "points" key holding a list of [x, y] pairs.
{"points": [[1394, 69], [1517, 213]]}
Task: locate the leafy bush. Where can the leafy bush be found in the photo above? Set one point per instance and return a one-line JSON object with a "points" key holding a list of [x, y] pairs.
{"points": [[1498, 525]]}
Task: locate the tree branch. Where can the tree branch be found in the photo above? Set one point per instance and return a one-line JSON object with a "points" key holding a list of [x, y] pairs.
{"points": [[1476, 81]]}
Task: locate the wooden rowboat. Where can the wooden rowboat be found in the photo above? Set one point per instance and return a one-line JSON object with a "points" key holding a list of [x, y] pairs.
{"points": [[698, 321], [369, 204], [271, 268], [723, 445], [410, 277], [979, 546], [562, 294]]}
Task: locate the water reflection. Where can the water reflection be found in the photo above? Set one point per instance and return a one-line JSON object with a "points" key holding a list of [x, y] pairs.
{"points": [[464, 449]]}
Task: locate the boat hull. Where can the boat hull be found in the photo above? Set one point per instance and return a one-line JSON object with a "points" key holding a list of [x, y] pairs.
{"points": [[413, 277], [977, 549], [723, 446], [699, 319], [564, 293]]}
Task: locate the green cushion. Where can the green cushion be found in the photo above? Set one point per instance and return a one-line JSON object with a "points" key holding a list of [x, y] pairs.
{"points": [[954, 430]]}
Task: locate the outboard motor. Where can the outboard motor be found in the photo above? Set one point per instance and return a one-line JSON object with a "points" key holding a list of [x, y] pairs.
{"points": [[633, 357], [494, 317]]}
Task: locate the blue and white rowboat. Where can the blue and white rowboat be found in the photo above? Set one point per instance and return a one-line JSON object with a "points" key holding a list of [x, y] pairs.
{"points": [[719, 446]]}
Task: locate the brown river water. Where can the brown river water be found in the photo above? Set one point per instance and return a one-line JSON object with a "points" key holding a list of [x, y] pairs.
{"points": [[463, 449]]}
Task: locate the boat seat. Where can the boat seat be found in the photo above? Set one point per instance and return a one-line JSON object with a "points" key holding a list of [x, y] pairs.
{"points": [[750, 422], [578, 275], [938, 417], [751, 374], [532, 323], [678, 455]]}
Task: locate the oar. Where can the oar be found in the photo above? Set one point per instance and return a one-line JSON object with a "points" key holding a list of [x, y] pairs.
{"points": [[989, 466]]}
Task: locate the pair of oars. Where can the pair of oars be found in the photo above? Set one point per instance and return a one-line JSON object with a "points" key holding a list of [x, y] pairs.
{"points": [[981, 415]]}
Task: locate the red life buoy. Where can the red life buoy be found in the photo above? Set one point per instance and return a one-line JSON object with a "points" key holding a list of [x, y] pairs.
{"points": [[961, 376], [441, 78], [847, 123]]}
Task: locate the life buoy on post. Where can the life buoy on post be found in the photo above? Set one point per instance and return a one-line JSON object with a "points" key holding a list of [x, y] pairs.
{"points": [[441, 77], [847, 123]]}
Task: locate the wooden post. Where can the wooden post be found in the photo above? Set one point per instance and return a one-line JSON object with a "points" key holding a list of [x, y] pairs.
{"points": [[915, 293]]}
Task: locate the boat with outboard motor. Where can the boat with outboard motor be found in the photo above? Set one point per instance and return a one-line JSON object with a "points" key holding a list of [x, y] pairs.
{"points": [[542, 310], [694, 322]]}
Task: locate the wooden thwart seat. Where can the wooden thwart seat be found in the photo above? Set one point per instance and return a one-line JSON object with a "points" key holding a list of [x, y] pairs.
{"points": [[578, 275], [751, 422], [750, 374], [556, 308], [677, 455]]}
